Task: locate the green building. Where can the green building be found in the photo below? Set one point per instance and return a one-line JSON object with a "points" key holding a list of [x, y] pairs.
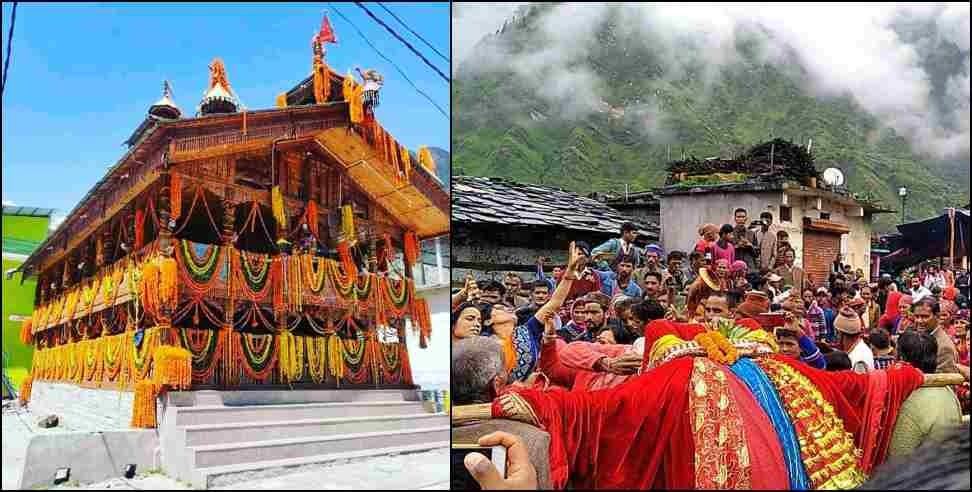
{"points": [[23, 230]]}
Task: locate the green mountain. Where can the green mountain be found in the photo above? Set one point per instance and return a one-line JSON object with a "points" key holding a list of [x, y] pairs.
{"points": [[643, 116]]}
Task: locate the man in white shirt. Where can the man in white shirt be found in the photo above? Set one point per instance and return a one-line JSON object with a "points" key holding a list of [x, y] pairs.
{"points": [[934, 279], [918, 291], [850, 329]]}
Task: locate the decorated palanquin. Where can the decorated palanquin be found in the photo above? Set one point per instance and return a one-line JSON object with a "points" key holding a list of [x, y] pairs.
{"points": [[715, 407], [243, 249]]}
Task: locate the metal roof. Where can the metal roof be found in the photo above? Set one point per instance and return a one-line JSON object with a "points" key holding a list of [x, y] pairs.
{"points": [[19, 246], [27, 211]]}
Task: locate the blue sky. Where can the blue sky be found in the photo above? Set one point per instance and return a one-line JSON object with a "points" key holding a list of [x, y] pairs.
{"points": [[83, 75]]}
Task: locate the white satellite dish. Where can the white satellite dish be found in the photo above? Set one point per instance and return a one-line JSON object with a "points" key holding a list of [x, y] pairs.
{"points": [[833, 177]]}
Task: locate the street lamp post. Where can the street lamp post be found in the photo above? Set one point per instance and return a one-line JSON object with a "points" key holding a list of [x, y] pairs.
{"points": [[903, 193]]}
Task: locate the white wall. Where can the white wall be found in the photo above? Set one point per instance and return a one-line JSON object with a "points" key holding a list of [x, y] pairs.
{"points": [[682, 215], [855, 246], [430, 366]]}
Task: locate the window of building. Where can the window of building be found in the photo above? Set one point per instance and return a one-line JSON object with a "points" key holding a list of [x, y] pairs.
{"points": [[786, 214]]}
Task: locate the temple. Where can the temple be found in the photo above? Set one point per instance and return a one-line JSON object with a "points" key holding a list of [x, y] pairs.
{"points": [[272, 248]]}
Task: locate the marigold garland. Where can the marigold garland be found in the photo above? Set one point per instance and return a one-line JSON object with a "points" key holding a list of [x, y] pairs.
{"points": [[310, 216], [422, 318], [411, 248], [26, 387], [139, 229], [149, 287], [173, 367], [315, 276], [278, 291], [168, 282], [347, 224], [350, 268], [335, 356], [277, 202], [291, 359], [717, 347], [318, 358], [406, 365], [259, 355], [205, 347], [27, 332], [143, 411]]}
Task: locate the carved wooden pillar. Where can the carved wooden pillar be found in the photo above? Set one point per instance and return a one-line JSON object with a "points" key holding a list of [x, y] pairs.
{"points": [[165, 211], [66, 272], [99, 249], [107, 245], [129, 224]]}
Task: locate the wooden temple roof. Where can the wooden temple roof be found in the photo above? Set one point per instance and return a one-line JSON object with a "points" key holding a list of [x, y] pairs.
{"points": [[501, 202], [420, 205]]}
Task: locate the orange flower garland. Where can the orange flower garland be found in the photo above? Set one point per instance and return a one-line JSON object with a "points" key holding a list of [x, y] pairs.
{"points": [[139, 229], [143, 408], [344, 251], [411, 248], [422, 320], [26, 332], [717, 347], [25, 389], [173, 367], [149, 287], [168, 282], [311, 218]]}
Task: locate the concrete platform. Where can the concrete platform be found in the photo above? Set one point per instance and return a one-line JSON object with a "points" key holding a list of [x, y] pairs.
{"points": [[207, 434], [201, 435], [222, 476]]}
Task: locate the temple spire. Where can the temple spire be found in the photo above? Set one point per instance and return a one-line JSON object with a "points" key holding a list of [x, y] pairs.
{"points": [[166, 107], [219, 97]]}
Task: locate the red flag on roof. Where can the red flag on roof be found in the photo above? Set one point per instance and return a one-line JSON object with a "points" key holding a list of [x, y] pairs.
{"points": [[327, 33]]}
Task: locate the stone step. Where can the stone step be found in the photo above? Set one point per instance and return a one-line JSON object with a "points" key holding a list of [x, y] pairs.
{"points": [[280, 397], [202, 415], [282, 449], [219, 476], [201, 435]]}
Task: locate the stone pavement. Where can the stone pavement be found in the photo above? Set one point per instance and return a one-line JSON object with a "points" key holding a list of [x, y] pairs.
{"points": [[419, 471]]}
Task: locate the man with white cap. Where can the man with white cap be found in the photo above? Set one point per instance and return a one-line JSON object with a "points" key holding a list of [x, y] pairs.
{"points": [[851, 338], [773, 285]]}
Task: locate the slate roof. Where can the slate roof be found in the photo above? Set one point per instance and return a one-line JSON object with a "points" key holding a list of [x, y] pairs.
{"points": [[477, 200]]}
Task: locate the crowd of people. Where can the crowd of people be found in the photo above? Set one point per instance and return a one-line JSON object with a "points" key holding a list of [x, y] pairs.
{"points": [[581, 327]]}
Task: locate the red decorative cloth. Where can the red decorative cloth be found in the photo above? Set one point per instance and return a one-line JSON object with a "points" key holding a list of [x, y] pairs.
{"points": [[852, 395], [639, 435], [765, 454], [633, 436]]}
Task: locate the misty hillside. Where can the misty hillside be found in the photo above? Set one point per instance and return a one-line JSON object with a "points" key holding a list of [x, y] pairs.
{"points": [[642, 114], [442, 164]]}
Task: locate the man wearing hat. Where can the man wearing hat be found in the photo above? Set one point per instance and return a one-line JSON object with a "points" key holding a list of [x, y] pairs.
{"points": [[774, 285], [754, 304], [851, 339]]}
